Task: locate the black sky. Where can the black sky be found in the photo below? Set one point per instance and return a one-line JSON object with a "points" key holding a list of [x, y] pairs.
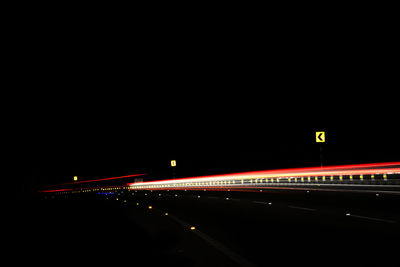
{"points": [[99, 99]]}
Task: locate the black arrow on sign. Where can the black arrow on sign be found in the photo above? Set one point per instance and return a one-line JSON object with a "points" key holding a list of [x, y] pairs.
{"points": [[320, 137]]}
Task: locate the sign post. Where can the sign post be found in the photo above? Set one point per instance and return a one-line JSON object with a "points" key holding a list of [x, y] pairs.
{"points": [[173, 165], [320, 138]]}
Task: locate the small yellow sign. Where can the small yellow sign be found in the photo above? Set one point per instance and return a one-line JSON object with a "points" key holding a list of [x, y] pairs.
{"points": [[320, 137], [173, 163]]}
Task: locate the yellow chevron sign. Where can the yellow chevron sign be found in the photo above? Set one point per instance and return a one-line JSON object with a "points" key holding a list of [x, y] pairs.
{"points": [[320, 137]]}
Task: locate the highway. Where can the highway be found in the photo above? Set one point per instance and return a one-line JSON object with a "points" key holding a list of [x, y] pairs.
{"points": [[290, 228], [353, 222], [231, 228]]}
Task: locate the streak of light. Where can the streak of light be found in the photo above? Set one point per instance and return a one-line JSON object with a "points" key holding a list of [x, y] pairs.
{"points": [[277, 176], [370, 218], [103, 179], [56, 190], [301, 208]]}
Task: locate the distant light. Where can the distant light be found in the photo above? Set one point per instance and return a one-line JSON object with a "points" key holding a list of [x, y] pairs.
{"points": [[137, 204], [75, 178], [166, 214], [173, 163], [348, 214], [198, 196], [150, 207], [227, 198], [270, 203], [192, 228]]}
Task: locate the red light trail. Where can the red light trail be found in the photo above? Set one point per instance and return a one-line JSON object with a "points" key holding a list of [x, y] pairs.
{"points": [[295, 176], [97, 180], [340, 177]]}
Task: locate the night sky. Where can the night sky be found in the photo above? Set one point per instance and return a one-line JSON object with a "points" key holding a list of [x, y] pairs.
{"points": [[97, 101]]}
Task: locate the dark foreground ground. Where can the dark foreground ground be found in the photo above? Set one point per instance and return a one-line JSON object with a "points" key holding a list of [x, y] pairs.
{"points": [[231, 229]]}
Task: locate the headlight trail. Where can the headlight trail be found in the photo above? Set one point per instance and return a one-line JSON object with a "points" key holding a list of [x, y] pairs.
{"points": [[374, 177], [367, 175]]}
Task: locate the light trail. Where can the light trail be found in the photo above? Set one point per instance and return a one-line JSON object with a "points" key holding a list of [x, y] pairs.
{"points": [[375, 177], [301, 208], [55, 190], [370, 218], [97, 180], [360, 175]]}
